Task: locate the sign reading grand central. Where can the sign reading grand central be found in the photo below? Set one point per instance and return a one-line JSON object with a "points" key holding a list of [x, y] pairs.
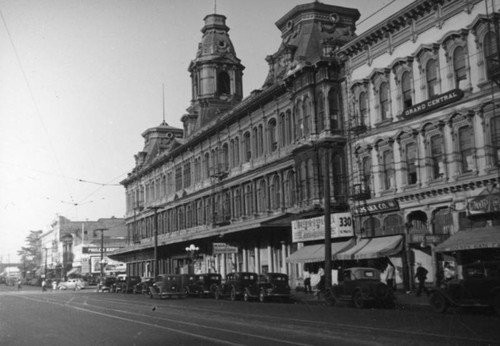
{"points": [[435, 102], [314, 228]]}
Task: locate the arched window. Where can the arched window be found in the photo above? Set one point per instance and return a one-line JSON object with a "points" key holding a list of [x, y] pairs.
{"points": [[384, 101], [289, 127], [406, 89], [273, 140], [411, 167], [299, 131], [431, 78], [274, 193], [282, 130], [443, 221], [491, 54], [208, 211], [255, 135], [223, 83], [236, 152], [465, 137], [437, 156], [307, 117], [189, 216], [367, 173], [388, 169], [206, 165], [320, 113], [199, 213], [248, 200], [260, 139], [335, 110], [393, 224], [224, 155], [247, 146], [363, 109], [262, 197], [495, 139], [303, 183], [289, 189], [237, 203], [459, 67], [371, 226]]}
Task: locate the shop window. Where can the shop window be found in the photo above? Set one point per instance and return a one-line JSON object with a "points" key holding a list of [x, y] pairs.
{"points": [[491, 54], [431, 74], [459, 67], [406, 89], [384, 101], [437, 156], [466, 147]]}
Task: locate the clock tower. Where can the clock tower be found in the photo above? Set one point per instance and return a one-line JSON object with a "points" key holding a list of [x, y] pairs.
{"points": [[216, 76]]}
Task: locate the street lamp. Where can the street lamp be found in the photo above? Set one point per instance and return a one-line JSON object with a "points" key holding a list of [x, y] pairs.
{"points": [[45, 271], [192, 250]]}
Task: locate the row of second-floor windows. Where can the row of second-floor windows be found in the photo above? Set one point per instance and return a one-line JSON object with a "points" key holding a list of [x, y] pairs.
{"points": [[436, 153], [261, 139], [435, 71], [255, 198]]}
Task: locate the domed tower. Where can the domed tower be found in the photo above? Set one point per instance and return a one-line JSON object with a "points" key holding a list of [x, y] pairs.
{"points": [[216, 76]]}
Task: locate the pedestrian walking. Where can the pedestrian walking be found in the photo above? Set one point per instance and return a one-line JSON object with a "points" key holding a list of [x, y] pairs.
{"points": [[44, 283], [307, 281], [421, 276], [19, 284]]}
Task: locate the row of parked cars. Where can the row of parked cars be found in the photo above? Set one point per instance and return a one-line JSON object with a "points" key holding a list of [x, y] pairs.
{"points": [[240, 285]]}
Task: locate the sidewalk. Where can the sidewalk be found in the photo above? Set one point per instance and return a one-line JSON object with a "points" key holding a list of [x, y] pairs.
{"points": [[403, 300]]}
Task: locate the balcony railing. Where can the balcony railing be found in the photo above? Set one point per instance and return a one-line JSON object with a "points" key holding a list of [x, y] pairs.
{"points": [[360, 192]]}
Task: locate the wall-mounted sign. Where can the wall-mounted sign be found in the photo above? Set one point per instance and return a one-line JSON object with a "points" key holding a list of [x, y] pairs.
{"points": [[373, 208], [484, 204], [435, 102], [314, 228], [98, 249], [223, 248]]}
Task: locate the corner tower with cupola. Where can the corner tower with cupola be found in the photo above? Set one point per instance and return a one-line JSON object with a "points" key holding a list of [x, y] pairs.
{"points": [[216, 76]]}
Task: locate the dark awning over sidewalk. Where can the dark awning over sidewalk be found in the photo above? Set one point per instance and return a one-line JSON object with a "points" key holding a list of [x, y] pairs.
{"points": [[373, 248], [316, 253], [475, 238]]}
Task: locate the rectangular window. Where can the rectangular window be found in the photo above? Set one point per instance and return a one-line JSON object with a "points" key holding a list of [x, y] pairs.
{"points": [[406, 90], [437, 156], [178, 178], [431, 76], [388, 170], [459, 67], [465, 142], [411, 166], [187, 175], [384, 101]]}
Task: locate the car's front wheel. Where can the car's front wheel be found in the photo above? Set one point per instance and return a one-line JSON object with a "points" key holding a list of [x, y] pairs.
{"points": [[357, 300], [438, 302]]}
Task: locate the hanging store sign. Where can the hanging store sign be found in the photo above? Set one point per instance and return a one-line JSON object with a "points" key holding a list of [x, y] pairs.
{"points": [[373, 208], [436, 102], [223, 248], [484, 204], [314, 228]]}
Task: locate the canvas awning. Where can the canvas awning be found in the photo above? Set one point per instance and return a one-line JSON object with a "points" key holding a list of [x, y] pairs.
{"points": [[373, 248], [76, 270], [475, 238], [316, 253]]}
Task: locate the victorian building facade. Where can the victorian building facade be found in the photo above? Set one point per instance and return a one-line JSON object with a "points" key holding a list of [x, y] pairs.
{"points": [[233, 179], [423, 103]]}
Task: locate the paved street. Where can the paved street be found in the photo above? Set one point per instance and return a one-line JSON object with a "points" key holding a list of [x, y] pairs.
{"points": [[86, 317]]}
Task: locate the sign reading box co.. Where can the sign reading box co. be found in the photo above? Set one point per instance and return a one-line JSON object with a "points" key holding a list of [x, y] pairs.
{"points": [[314, 228]]}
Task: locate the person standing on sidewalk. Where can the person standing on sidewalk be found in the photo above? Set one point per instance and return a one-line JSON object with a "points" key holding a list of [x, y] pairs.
{"points": [[390, 273], [307, 281], [421, 276]]}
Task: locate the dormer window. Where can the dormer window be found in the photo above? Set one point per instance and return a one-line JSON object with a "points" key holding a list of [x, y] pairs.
{"points": [[223, 83]]}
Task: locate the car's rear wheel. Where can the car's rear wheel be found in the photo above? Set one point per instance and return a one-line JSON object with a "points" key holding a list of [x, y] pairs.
{"points": [[357, 300], [438, 302], [246, 296]]}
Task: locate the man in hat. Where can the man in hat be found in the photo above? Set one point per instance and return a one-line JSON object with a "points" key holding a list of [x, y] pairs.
{"points": [[421, 276]]}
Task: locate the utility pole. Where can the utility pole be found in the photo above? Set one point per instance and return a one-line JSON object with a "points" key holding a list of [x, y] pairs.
{"points": [[155, 253], [328, 224], [102, 249], [45, 270]]}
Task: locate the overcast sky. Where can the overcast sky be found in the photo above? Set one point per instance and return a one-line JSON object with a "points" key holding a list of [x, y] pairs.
{"points": [[80, 80]]}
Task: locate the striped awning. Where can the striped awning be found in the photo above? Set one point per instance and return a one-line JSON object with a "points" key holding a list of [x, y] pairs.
{"points": [[316, 252], [373, 248], [474, 238]]}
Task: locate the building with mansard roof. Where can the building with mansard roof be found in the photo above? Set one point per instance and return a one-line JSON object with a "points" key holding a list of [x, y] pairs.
{"points": [[241, 170]]}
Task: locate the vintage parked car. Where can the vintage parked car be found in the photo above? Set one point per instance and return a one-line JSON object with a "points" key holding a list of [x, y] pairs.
{"points": [[142, 287], [172, 285], [203, 285], [107, 284], [126, 284], [362, 287], [238, 285], [73, 284], [274, 286], [480, 287]]}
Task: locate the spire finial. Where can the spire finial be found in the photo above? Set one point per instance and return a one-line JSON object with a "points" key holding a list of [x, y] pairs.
{"points": [[163, 100]]}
